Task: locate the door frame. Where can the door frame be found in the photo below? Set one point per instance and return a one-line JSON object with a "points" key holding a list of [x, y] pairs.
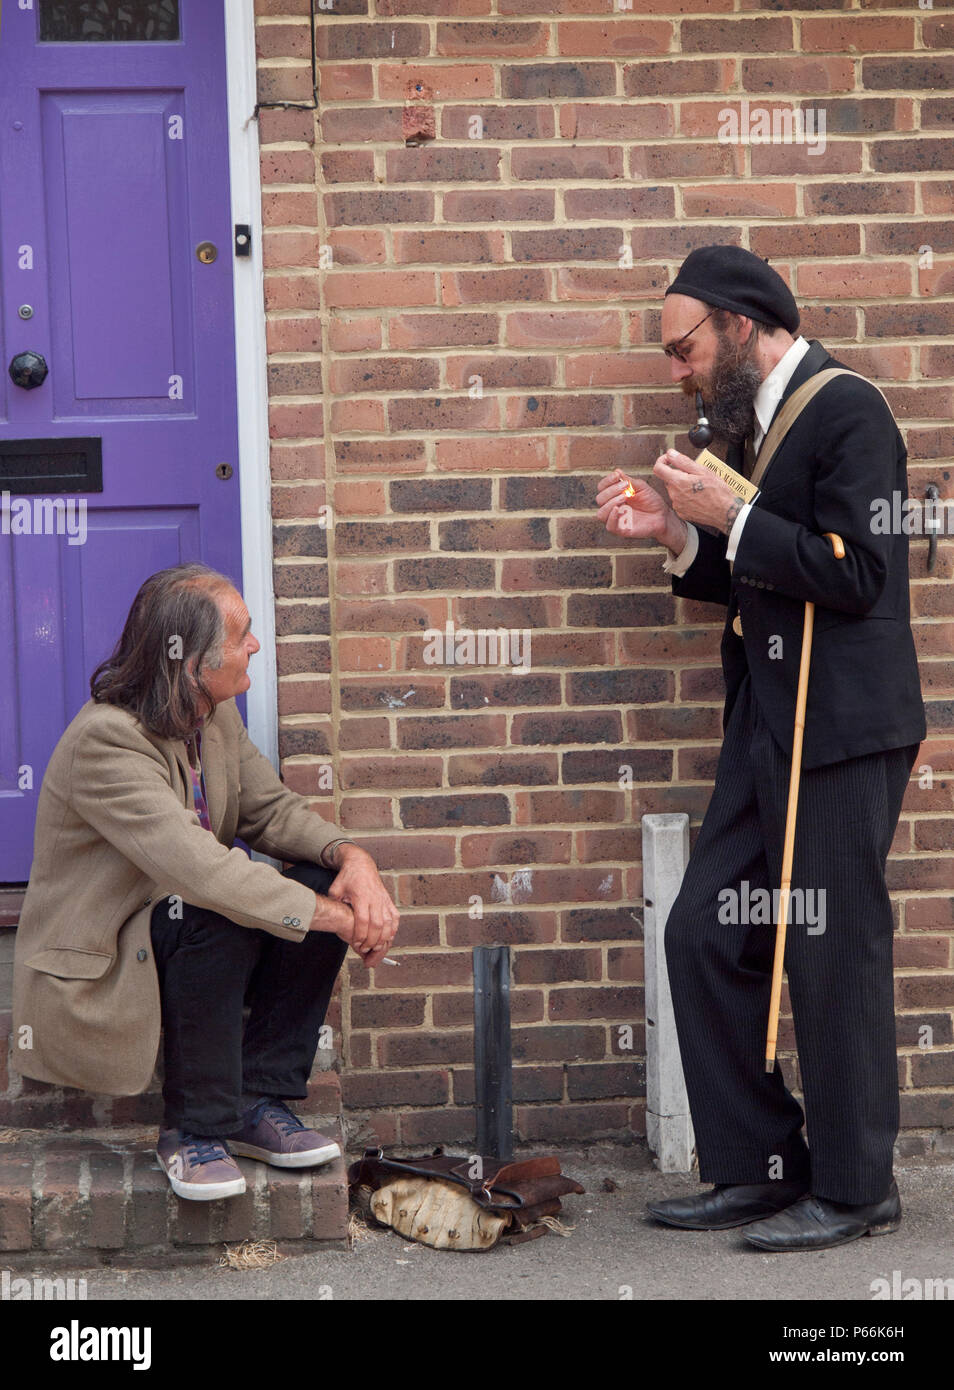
{"points": [[251, 372]]}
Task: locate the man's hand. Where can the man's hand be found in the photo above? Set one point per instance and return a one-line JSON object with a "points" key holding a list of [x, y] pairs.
{"points": [[333, 917], [635, 510], [358, 884], [695, 493]]}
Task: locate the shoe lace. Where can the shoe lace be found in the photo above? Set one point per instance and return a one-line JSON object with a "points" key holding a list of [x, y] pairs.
{"points": [[204, 1150], [278, 1113]]}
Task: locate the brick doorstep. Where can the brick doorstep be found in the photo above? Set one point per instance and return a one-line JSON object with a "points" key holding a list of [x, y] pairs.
{"points": [[102, 1192], [78, 1172]]}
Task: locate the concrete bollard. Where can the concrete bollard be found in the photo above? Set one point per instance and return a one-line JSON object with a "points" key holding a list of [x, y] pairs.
{"points": [[668, 1123]]}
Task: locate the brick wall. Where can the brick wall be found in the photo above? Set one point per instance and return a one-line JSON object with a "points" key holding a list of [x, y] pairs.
{"points": [[466, 248]]}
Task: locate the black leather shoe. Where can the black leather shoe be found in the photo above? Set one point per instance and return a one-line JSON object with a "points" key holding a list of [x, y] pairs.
{"points": [[815, 1223], [726, 1206]]}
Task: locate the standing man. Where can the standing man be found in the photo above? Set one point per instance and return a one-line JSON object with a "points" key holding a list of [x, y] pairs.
{"points": [[141, 907], [730, 330]]}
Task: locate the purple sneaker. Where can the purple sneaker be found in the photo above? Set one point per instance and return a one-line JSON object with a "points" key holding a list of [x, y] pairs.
{"points": [[272, 1133], [201, 1170]]}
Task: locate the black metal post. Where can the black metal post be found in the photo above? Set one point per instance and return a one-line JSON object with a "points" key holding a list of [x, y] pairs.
{"points": [[492, 1056]]}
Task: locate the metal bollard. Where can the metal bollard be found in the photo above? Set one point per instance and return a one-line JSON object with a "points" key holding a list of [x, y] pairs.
{"points": [[492, 1054]]}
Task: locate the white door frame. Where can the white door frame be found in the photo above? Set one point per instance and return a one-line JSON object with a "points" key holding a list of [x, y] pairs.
{"points": [[251, 374]]}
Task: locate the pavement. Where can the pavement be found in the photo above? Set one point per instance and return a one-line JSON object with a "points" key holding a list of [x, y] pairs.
{"points": [[613, 1252]]}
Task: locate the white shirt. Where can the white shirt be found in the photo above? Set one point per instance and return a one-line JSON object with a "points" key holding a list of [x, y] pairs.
{"points": [[766, 403]]}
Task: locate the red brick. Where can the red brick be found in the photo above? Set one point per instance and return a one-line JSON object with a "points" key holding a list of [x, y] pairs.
{"points": [[740, 200], [862, 280], [447, 248], [16, 1179], [489, 454], [620, 38], [736, 35], [801, 76], [363, 653], [483, 205], [601, 121], [345, 81], [287, 166], [278, 84], [555, 165], [107, 1226], [61, 1217], [402, 773], [443, 330], [491, 40], [455, 1125], [447, 164], [149, 1213], [639, 204], [537, 928], [555, 1123], [380, 288], [857, 34], [671, 78], [490, 850], [292, 292], [492, 286], [397, 1088], [597, 328], [276, 125], [434, 82], [347, 166], [616, 1002], [327, 1189]]}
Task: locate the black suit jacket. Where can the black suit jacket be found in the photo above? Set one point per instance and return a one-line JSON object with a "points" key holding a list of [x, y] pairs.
{"points": [[864, 693]]}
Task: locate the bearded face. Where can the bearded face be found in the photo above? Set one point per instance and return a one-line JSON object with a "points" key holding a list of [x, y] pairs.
{"points": [[730, 387]]}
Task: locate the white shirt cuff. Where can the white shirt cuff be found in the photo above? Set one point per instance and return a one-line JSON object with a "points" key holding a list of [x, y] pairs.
{"points": [[735, 535], [677, 565]]}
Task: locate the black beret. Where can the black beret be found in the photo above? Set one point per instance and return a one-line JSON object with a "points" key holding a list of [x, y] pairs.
{"points": [[730, 277]]}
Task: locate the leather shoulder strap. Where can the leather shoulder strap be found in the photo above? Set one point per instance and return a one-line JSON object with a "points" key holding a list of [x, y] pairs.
{"points": [[790, 412]]}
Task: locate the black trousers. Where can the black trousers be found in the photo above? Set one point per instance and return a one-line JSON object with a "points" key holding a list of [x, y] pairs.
{"points": [[748, 1126], [210, 967]]}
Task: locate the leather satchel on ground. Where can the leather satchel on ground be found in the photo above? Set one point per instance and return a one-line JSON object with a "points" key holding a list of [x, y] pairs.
{"points": [[437, 1201]]}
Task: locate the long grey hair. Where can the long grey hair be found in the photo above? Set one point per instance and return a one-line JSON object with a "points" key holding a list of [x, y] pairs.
{"points": [[174, 629]]}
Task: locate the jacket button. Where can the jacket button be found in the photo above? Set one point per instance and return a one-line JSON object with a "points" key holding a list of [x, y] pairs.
{"points": [[147, 902], [286, 921], [141, 955], [296, 921]]}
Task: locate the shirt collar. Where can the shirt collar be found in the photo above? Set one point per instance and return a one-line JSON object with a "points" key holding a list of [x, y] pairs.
{"points": [[773, 387]]}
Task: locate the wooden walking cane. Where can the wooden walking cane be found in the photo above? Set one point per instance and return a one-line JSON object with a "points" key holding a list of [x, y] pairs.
{"points": [[788, 850]]}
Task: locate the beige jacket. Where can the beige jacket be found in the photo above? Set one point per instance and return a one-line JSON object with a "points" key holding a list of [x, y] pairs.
{"points": [[116, 830]]}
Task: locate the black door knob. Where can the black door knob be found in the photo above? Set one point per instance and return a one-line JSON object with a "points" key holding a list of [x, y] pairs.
{"points": [[29, 369]]}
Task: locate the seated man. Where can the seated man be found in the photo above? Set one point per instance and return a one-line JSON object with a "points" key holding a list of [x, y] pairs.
{"points": [[139, 908]]}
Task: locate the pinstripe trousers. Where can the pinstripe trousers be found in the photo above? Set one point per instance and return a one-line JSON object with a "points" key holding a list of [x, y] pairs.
{"points": [[838, 956]]}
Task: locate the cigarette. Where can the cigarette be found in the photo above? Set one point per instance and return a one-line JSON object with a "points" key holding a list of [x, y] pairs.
{"points": [[389, 960]]}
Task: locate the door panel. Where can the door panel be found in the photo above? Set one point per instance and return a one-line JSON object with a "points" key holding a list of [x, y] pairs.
{"points": [[113, 168], [123, 212]]}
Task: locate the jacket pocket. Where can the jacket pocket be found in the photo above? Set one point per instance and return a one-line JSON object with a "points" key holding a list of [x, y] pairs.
{"points": [[71, 963]]}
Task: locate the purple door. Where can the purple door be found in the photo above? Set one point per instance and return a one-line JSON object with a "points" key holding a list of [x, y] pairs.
{"points": [[118, 441]]}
